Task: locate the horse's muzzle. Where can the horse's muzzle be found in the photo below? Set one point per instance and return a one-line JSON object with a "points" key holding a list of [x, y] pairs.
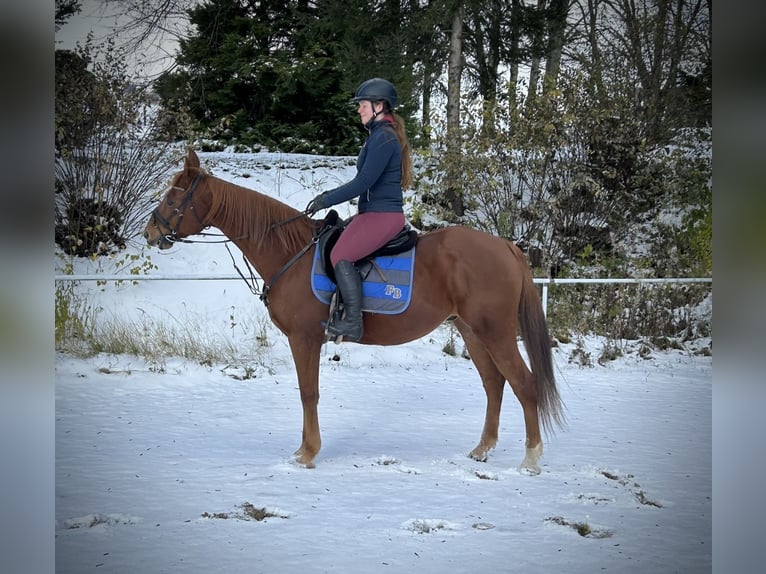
{"points": [[155, 238]]}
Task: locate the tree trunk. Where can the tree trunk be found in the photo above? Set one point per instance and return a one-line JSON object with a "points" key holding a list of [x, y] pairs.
{"points": [[558, 11], [453, 192], [596, 63], [425, 122], [534, 66], [514, 56], [483, 38]]}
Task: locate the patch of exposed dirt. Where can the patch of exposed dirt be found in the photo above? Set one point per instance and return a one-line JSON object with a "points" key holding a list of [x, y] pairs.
{"points": [[582, 528], [247, 511]]}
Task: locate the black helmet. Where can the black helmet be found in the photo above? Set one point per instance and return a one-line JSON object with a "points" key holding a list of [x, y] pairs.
{"points": [[377, 90]]}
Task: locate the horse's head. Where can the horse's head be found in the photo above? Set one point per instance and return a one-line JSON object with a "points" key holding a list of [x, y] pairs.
{"points": [[179, 213]]}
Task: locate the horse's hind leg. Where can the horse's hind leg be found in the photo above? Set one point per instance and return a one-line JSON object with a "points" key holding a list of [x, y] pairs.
{"points": [[497, 357], [494, 383], [505, 353]]}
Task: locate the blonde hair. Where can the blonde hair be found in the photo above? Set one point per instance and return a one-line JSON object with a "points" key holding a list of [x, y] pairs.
{"points": [[401, 135]]}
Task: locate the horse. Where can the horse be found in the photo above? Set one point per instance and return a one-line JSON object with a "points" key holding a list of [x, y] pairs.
{"points": [[481, 283]]}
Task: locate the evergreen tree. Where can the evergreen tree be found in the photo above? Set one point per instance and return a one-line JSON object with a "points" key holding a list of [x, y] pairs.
{"points": [[282, 73], [246, 75]]}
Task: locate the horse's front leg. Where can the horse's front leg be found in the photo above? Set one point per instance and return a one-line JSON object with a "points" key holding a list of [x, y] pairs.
{"points": [[306, 357]]}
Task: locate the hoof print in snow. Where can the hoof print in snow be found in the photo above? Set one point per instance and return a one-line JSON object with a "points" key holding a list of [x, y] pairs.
{"points": [[100, 520], [427, 525], [393, 462], [594, 498], [246, 511], [637, 490], [485, 475]]}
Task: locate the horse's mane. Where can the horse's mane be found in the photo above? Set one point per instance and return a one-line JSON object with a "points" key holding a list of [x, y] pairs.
{"points": [[248, 213]]}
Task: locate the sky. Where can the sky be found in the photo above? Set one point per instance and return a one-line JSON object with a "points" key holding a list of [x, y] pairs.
{"points": [[172, 466], [102, 20]]}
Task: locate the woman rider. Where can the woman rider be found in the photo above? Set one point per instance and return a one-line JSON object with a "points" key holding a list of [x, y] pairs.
{"points": [[384, 169]]}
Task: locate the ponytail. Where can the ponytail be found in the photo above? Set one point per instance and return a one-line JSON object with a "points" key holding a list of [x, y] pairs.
{"points": [[401, 135]]}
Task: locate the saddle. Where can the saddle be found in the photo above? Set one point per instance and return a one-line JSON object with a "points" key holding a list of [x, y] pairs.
{"points": [[331, 228]]}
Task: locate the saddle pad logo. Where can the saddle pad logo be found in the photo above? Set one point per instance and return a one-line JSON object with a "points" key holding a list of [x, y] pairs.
{"points": [[393, 291], [386, 282]]}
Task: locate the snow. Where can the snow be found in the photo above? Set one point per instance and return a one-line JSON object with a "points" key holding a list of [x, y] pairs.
{"points": [[172, 466]]}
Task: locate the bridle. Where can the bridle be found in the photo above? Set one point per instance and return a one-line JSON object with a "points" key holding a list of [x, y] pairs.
{"points": [[177, 214]]}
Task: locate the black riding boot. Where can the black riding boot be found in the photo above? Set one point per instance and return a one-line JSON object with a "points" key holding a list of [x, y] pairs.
{"points": [[350, 287]]}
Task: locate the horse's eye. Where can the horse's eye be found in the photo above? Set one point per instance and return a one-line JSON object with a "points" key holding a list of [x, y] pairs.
{"points": [[170, 202]]}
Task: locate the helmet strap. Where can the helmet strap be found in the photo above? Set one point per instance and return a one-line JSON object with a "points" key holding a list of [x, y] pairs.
{"points": [[375, 114]]}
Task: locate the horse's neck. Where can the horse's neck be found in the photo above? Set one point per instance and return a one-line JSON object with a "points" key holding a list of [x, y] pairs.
{"points": [[257, 241]]}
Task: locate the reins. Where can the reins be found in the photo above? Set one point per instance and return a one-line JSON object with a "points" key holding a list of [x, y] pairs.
{"points": [[227, 240], [286, 221], [185, 240], [252, 281]]}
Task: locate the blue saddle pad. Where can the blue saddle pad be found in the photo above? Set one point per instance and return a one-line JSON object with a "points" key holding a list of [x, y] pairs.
{"points": [[386, 282]]}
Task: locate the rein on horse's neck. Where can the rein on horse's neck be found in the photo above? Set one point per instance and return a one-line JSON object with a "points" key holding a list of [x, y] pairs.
{"points": [[239, 211]]}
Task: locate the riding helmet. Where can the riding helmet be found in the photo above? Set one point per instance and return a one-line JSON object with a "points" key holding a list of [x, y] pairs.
{"points": [[377, 90]]}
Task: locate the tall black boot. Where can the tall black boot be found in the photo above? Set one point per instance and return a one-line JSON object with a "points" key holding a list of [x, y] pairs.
{"points": [[350, 287]]}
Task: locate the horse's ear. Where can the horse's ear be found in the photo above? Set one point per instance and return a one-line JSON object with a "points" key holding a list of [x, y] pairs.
{"points": [[191, 159]]}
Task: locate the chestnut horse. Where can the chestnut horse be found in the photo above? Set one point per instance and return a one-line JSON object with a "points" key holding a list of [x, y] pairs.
{"points": [[480, 282]]}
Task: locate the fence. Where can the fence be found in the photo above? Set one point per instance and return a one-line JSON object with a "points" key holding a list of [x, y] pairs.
{"points": [[545, 282]]}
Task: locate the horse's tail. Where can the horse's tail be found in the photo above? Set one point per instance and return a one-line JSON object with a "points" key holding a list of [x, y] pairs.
{"points": [[534, 332]]}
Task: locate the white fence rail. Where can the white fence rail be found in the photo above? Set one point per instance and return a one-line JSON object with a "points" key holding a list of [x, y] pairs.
{"points": [[545, 282]]}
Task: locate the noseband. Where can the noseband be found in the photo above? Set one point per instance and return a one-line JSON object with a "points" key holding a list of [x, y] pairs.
{"points": [[177, 213]]}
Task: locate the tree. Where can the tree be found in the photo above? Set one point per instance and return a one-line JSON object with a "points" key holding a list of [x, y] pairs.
{"points": [[556, 23], [281, 73], [653, 47], [453, 192], [536, 24], [483, 39], [149, 30], [64, 10], [428, 44]]}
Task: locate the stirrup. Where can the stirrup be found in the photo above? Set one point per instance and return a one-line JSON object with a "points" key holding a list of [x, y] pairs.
{"points": [[327, 325], [332, 333]]}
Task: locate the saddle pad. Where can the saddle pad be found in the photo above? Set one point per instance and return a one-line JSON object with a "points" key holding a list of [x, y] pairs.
{"points": [[386, 283]]}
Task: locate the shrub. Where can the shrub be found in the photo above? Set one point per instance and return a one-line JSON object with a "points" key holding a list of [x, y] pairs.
{"points": [[107, 159]]}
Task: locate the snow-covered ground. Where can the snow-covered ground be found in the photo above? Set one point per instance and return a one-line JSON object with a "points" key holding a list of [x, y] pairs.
{"points": [[168, 471]]}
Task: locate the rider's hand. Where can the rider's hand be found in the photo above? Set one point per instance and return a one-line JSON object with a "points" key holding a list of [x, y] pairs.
{"points": [[316, 204]]}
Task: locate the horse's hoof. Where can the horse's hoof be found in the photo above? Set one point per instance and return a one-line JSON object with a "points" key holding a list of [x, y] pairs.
{"points": [[304, 463], [478, 455], [303, 460], [531, 457], [529, 470]]}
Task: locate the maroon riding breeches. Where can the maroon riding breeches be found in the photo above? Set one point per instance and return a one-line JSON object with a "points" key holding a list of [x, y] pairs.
{"points": [[364, 234]]}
